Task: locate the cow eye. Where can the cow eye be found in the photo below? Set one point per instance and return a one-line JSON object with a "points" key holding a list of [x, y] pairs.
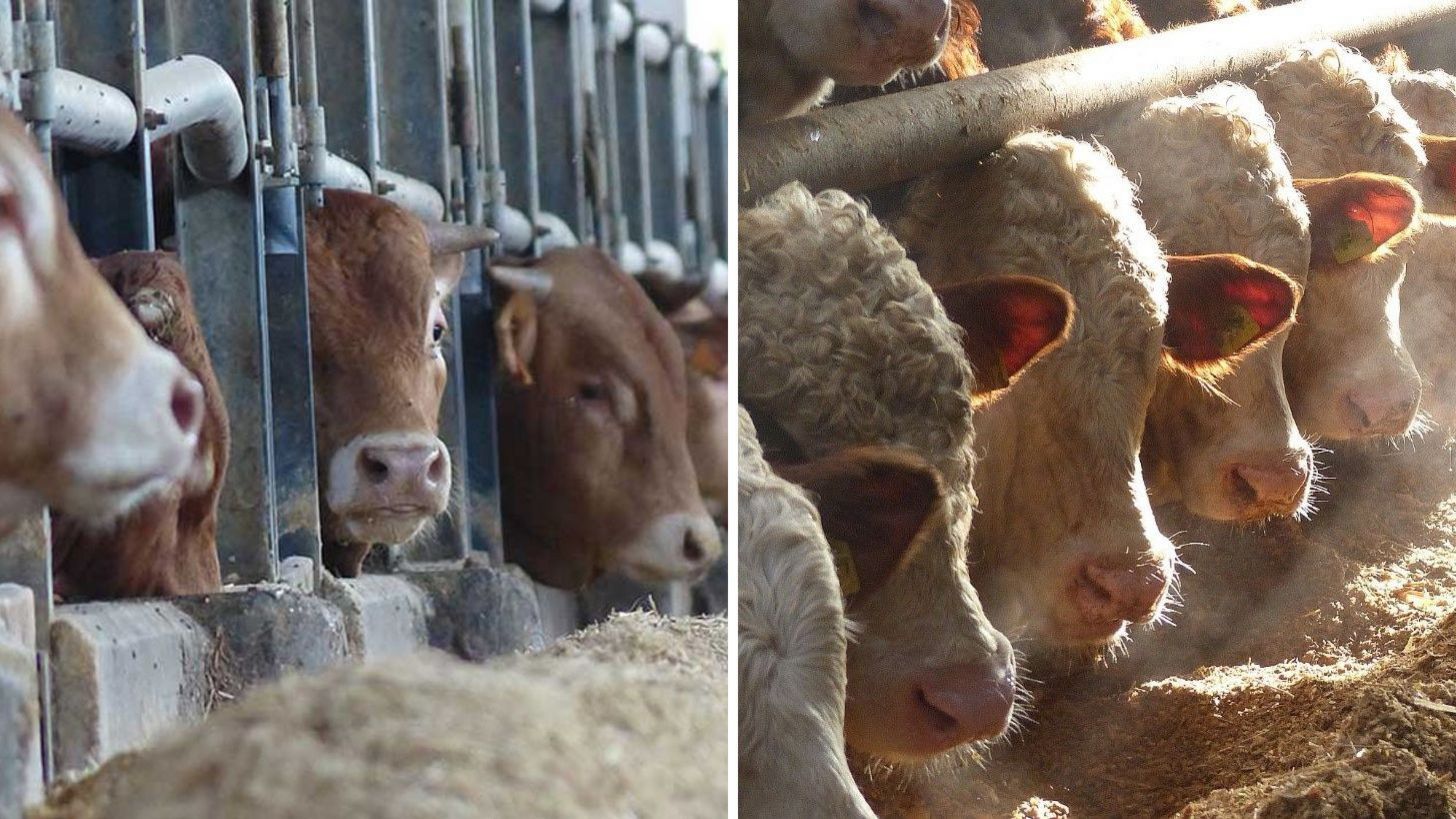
{"points": [[437, 334], [592, 391]]}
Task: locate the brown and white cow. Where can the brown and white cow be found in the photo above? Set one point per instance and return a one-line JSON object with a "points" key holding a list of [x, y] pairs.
{"points": [[792, 52], [1065, 547], [1347, 370], [94, 418], [1212, 180], [377, 281], [167, 546], [596, 473]]}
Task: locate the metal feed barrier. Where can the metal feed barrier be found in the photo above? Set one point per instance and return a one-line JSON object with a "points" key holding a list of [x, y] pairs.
{"points": [[552, 121]]}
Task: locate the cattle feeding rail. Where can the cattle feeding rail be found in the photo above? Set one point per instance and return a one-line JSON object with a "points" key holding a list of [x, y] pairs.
{"points": [[897, 137], [555, 122]]}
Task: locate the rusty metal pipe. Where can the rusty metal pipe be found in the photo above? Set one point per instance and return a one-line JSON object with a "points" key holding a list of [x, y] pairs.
{"points": [[901, 136]]}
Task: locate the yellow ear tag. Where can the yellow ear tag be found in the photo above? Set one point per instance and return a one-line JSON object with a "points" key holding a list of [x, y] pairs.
{"points": [[1239, 331], [844, 567], [1352, 243]]}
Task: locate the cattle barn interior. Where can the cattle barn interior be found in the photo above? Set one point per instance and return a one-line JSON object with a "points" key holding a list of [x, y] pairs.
{"points": [[1310, 668], [556, 122]]}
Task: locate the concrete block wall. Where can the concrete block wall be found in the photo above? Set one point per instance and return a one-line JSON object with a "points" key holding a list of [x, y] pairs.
{"points": [[125, 672]]}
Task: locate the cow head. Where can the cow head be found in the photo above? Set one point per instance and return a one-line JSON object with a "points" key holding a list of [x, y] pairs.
{"points": [[1348, 372], [94, 418], [913, 692], [1226, 441], [595, 469], [860, 42], [378, 281]]}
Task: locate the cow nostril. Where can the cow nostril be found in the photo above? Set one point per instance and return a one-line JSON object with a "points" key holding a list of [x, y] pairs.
{"points": [[1243, 490], [692, 548], [186, 405], [435, 471], [1357, 413], [375, 470]]}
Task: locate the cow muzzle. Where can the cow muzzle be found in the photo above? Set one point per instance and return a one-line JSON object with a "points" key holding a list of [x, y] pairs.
{"points": [[142, 438], [678, 546], [385, 487]]}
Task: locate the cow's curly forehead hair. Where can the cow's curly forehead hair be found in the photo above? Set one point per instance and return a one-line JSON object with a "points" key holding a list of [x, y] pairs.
{"points": [[1222, 137], [1335, 113]]}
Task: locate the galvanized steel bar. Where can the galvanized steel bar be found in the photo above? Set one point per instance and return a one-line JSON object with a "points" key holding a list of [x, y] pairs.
{"points": [[220, 237], [40, 38], [612, 21], [876, 142], [290, 366], [414, 122], [314, 155]]}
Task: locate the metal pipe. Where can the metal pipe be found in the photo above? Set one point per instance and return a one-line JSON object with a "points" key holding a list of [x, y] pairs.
{"points": [[7, 56], [315, 127], [273, 46], [195, 96], [553, 233], [901, 136], [528, 95], [516, 233], [419, 197], [463, 100], [371, 90], [90, 116], [40, 111]]}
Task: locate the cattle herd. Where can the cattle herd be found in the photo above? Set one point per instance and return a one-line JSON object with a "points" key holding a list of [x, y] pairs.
{"points": [[112, 415], [967, 401]]}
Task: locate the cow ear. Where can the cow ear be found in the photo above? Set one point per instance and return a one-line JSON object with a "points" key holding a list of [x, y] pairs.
{"points": [[1440, 161], [1009, 323], [876, 505], [1356, 215], [1222, 306]]}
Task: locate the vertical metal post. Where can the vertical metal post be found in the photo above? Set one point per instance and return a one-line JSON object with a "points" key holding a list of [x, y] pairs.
{"points": [[640, 77], [40, 109], [220, 232], [414, 119], [476, 328], [290, 365], [107, 42], [718, 162], [315, 146], [702, 75], [344, 52], [671, 208], [608, 131], [487, 83]]}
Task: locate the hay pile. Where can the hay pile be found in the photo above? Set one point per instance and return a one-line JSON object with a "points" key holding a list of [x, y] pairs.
{"points": [[629, 719], [1313, 673]]}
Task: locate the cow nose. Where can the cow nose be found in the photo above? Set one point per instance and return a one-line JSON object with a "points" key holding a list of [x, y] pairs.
{"points": [[1377, 412], [1270, 483], [186, 405], [405, 473], [911, 28], [966, 702], [1109, 591]]}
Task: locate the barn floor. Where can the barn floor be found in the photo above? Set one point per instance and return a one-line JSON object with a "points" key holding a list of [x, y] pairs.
{"points": [[1312, 672]]}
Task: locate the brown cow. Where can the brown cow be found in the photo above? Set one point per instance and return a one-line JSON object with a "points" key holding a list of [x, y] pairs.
{"points": [[168, 545], [94, 418], [595, 469], [377, 280], [794, 51]]}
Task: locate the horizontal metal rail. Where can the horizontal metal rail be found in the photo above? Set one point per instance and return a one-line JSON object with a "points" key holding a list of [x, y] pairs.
{"points": [[890, 139]]}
